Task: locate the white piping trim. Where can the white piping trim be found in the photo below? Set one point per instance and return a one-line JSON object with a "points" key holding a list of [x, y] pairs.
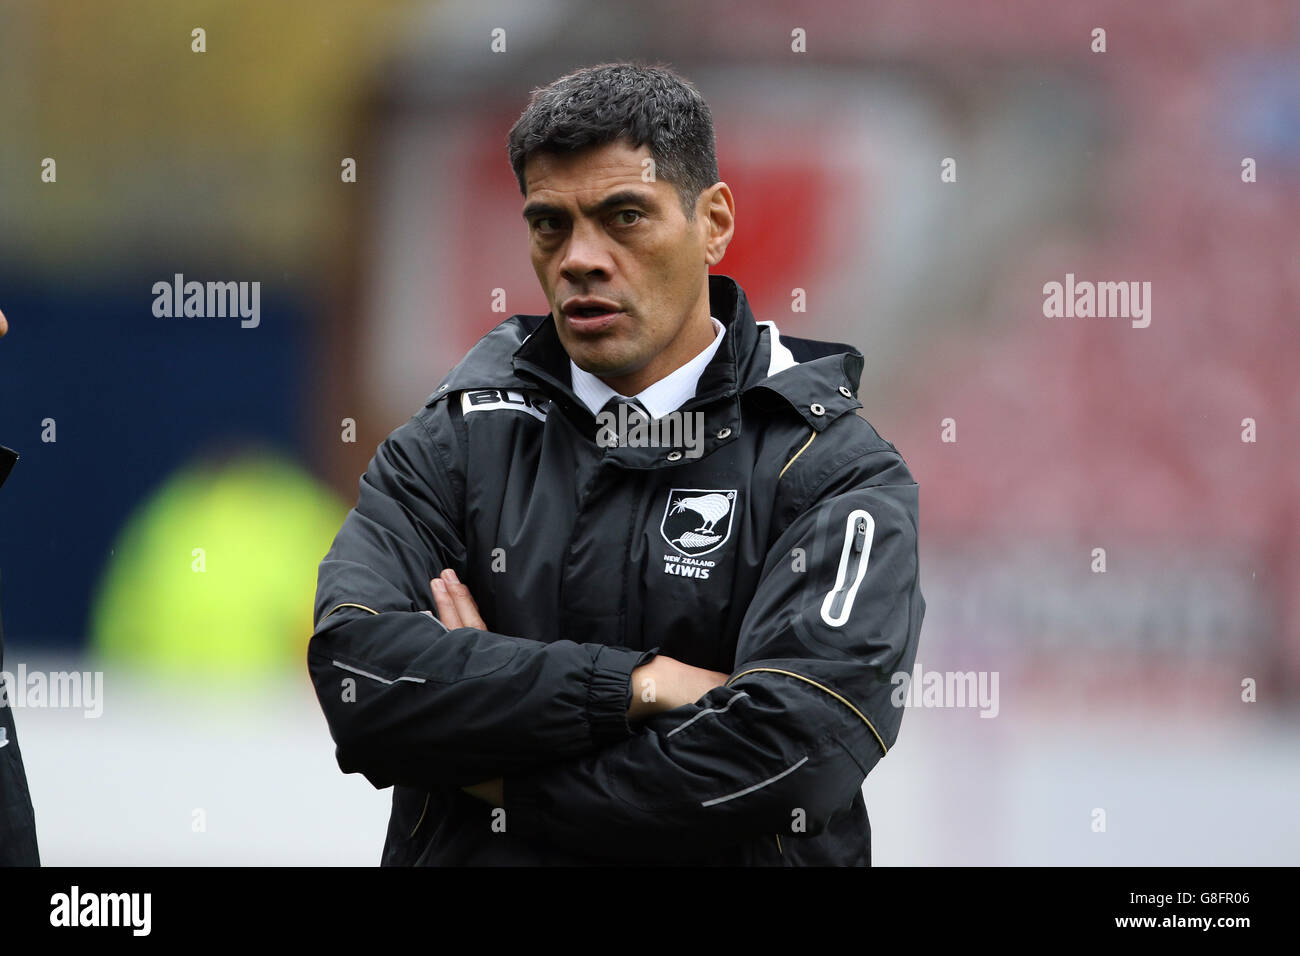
{"points": [[781, 358], [849, 534], [435, 620], [382, 680], [707, 710], [757, 786]]}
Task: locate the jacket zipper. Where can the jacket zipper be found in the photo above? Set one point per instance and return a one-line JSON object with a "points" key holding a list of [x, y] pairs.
{"points": [[858, 532]]}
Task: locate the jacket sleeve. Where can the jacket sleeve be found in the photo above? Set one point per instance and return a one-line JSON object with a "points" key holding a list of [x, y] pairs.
{"points": [[409, 702], [807, 712]]}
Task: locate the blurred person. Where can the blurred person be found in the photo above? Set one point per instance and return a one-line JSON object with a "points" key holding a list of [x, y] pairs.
{"points": [[564, 640], [17, 817]]}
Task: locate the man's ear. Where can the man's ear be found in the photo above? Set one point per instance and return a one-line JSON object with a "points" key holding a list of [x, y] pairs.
{"points": [[719, 212]]}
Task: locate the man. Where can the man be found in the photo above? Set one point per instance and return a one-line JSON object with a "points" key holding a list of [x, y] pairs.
{"points": [[640, 653], [17, 818]]}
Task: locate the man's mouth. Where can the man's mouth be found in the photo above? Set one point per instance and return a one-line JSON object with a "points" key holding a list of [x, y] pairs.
{"points": [[590, 314]]}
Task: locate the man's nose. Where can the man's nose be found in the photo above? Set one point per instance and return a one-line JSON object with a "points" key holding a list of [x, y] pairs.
{"points": [[585, 253]]}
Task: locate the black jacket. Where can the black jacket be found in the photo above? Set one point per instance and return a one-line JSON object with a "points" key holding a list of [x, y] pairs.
{"points": [[17, 819], [784, 555]]}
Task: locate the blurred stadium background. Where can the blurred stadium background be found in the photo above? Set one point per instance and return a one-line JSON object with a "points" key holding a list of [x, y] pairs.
{"points": [[1120, 691]]}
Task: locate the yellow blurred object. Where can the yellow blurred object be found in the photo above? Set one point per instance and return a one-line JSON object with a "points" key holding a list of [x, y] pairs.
{"points": [[216, 573]]}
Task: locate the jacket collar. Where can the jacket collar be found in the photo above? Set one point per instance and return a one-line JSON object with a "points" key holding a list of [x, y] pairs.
{"points": [[819, 380]]}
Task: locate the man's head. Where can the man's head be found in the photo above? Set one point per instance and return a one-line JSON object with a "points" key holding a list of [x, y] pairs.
{"points": [[605, 223]]}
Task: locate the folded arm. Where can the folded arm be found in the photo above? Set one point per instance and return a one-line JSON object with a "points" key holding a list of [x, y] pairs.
{"points": [[806, 714], [411, 701]]}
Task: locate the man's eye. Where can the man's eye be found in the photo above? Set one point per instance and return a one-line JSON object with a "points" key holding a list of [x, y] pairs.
{"points": [[539, 223], [628, 212]]}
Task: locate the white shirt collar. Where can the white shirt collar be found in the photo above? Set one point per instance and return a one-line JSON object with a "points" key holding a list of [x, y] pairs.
{"points": [[666, 395]]}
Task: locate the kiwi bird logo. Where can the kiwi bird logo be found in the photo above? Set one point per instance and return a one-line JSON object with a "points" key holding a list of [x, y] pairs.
{"points": [[697, 521]]}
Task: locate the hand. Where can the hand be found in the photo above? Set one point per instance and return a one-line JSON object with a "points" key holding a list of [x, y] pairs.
{"points": [[456, 607], [4, 325], [673, 684]]}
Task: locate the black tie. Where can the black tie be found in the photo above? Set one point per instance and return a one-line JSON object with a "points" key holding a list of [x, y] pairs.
{"points": [[617, 400]]}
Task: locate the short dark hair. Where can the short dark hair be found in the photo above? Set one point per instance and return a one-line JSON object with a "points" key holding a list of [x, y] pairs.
{"points": [[642, 103]]}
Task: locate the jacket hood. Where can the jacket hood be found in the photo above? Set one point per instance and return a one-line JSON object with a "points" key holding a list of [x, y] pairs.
{"points": [[818, 379]]}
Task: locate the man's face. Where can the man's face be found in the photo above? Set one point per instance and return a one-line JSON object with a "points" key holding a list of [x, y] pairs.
{"points": [[596, 230]]}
